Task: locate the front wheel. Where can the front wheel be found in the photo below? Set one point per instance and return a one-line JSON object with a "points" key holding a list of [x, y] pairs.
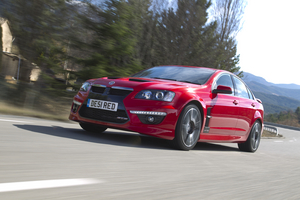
{"points": [[92, 128], [188, 128], [252, 143]]}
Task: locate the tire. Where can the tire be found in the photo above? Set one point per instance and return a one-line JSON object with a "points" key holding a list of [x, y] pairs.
{"points": [[92, 128], [188, 128], [252, 143]]}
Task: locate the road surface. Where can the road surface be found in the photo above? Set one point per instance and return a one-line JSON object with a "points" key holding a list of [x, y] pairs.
{"points": [[42, 159]]}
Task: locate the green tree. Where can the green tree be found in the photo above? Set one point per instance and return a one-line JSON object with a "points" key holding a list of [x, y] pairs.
{"points": [[38, 27], [182, 34], [1, 47], [298, 113], [113, 45], [228, 14]]}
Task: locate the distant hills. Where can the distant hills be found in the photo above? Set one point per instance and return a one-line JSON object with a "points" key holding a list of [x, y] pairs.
{"points": [[275, 97]]}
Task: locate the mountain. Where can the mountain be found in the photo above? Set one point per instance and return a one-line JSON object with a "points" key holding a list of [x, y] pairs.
{"points": [[275, 97]]}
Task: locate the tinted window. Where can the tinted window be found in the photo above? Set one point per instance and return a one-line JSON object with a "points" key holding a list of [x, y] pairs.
{"points": [[241, 89], [250, 94], [183, 74], [225, 80]]}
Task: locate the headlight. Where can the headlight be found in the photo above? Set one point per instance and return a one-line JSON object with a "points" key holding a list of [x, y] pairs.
{"points": [[85, 86], [160, 95]]}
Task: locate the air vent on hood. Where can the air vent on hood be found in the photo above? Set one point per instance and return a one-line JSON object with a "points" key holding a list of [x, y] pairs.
{"points": [[113, 77], [138, 80]]}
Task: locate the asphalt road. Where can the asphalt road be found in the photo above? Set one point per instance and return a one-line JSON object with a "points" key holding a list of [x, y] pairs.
{"points": [[41, 159]]}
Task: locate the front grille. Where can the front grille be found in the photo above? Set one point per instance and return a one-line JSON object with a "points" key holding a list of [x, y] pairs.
{"points": [[119, 92], [113, 94], [98, 89], [103, 115]]}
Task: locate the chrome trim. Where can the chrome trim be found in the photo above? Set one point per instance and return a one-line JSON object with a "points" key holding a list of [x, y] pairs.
{"points": [[122, 88], [97, 85], [76, 102], [148, 113], [122, 118]]}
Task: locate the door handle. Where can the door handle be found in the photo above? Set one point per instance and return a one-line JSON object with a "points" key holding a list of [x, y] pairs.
{"points": [[235, 102], [253, 104]]}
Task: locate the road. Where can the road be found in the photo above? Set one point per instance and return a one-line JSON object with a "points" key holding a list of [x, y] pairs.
{"points": [[42, 159]]}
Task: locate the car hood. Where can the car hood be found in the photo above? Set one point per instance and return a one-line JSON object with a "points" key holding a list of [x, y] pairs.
{"points": [[141, 83]]}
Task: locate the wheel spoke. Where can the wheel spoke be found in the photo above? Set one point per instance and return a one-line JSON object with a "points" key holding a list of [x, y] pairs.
{"points": [[188, 140], [184, 131], [193, 115], [187, 118]]}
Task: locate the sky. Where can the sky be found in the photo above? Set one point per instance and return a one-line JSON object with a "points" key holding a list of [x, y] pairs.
{"points": [[269, 42]]}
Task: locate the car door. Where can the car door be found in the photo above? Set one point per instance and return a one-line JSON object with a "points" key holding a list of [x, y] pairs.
{"points": [[246, 105], [222, 110]]}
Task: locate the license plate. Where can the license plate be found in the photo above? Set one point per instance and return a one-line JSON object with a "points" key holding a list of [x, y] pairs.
{"points": [[103, 105]]}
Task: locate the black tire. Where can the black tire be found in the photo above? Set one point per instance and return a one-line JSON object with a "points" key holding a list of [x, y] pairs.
{"points": [[252, 143], [188, 128], [92, 128]]}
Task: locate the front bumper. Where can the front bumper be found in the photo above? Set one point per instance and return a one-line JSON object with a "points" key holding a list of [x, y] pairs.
{"points": [[132, 114]]}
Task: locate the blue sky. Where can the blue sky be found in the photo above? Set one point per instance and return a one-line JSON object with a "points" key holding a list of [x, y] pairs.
{"points": [[269, 43]]}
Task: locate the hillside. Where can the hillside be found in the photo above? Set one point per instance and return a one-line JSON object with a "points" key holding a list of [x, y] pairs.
{"points": [[275, 97]]}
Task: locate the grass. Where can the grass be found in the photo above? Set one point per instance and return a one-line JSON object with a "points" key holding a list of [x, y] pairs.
{"points": [[29, 100], [11, 110], [270, 134]]}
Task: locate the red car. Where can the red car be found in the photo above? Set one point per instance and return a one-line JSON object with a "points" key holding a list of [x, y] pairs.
{"points": [[181, 103]]}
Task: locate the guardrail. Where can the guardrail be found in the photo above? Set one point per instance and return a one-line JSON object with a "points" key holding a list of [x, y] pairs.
{"points": [[282, 126], [271, 129]]}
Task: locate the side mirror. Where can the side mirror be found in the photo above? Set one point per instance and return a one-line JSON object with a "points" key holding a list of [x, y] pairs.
{"points": [[222, 89]]}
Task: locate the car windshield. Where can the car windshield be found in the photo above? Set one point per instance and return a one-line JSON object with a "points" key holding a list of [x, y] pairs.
{"points": [[177, 73]]}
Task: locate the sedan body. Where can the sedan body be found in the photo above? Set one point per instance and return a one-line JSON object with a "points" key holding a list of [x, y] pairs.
{"points": [[181, 103]]}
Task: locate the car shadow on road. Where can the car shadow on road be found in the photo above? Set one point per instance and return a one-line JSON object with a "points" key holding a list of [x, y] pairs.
{"points": [[119, 138]]}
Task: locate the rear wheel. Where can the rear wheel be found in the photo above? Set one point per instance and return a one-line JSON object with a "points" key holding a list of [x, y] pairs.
{"points": [[188, 128], [252, 143], [92, 128]]}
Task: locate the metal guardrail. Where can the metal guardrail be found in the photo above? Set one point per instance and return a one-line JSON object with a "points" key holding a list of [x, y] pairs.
{"points": [[282, 126], [271, 129]]}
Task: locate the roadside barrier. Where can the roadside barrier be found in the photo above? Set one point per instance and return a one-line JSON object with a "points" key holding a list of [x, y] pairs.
{"points": [[281, 126], [271, 129]]}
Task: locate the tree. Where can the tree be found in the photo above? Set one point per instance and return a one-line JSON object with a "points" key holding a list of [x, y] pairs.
{"points": [[298, 113], [38, 26], [114, 42], [182, 34], [228, 14], [1, 47]]}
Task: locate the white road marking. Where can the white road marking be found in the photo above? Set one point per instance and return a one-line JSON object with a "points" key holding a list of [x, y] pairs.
{"points": [[278, 141], [32, 185], [7, 120], [293, 140]]}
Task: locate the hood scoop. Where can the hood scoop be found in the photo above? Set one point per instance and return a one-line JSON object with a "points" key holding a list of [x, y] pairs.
{"points": [[138, 80]]}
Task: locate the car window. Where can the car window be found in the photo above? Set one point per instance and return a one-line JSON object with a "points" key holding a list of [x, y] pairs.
{"points": [[250, 94], [240, 88], [224, 79]]}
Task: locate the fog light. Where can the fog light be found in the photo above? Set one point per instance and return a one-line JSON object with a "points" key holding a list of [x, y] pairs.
{"points": [[150, 119], [75, 108]]}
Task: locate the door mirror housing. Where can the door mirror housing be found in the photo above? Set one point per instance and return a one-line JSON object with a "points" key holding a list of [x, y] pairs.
{"points": [[223, 90]]}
